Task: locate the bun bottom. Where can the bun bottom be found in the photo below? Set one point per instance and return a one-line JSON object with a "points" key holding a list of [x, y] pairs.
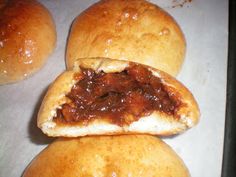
{"points": [[102, 156]]}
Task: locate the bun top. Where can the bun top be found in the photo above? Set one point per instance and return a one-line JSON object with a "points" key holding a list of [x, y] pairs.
{"points": [[27, 37], [103, 156], [134, 30]]}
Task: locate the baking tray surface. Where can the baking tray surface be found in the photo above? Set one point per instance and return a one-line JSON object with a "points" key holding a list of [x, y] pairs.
{"points": [[205, 25]]}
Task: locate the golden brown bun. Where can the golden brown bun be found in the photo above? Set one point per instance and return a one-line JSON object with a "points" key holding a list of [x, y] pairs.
{"points": [[133, 30], [27, 37], [107, 156], [156, 123]]}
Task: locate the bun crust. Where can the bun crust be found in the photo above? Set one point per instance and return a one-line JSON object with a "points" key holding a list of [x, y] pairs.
{"points": [[27, 37], [130, 155], [156, 123], [132, 30]]}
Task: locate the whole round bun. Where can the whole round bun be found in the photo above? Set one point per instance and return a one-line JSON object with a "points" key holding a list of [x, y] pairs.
{"points": [[27, 37], [103, 156], [135, 30]]}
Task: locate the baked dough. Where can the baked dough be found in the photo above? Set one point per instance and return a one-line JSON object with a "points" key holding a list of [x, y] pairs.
{"points": [[27, 38], [156, 123], [103, 156], [134, 30]]}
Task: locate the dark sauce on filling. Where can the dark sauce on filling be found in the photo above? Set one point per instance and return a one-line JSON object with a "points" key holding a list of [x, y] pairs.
{"points": [[120, 98]]}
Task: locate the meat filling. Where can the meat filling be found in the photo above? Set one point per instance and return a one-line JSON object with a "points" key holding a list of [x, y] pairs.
{"points": [[120, 98]]}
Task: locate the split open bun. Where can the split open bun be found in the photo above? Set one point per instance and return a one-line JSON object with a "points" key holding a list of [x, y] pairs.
{"points": [[134, 30], [156, 123], [27, 38], [130, 155]]}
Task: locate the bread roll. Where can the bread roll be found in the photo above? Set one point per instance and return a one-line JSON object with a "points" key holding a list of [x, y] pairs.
{"points": [[156, 122], [104, 156], [134, 30], [27, 37]]}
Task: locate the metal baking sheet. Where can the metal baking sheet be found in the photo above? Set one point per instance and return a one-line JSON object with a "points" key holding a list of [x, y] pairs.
{"points": [[205, 25], [229, 158]]}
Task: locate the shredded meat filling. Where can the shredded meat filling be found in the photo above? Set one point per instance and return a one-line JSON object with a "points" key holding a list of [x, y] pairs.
{"points": [[120, 98]]}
